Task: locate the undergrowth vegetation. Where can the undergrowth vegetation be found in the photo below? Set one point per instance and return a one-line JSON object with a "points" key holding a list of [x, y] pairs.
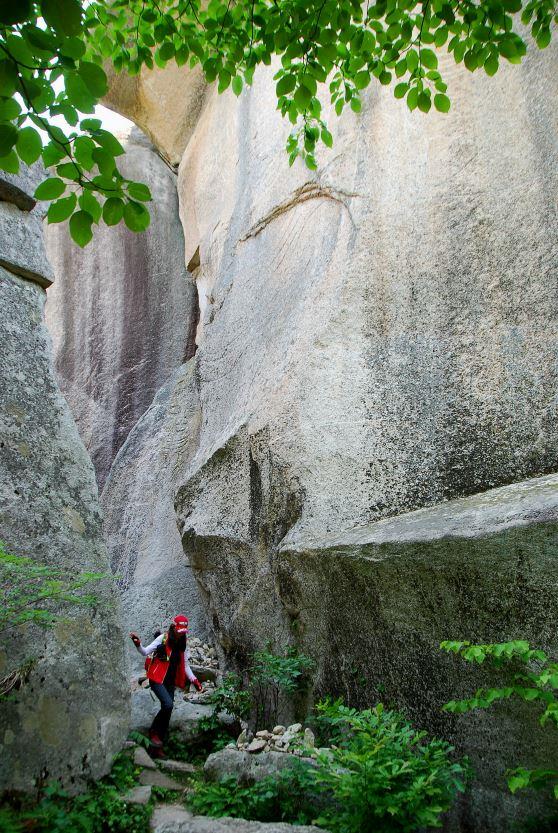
{"points": [[379, 774], [99, 810]]}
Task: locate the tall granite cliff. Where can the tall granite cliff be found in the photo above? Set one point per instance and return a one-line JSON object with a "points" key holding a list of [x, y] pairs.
{"points": [[69, 717], [122, 312], [123, 315], [365, 453]]}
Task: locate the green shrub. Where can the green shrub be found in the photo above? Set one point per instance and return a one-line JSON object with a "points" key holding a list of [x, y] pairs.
{"points": [[382, 774], [287, 796], [533, 678], [99, 810], [271, 676]]}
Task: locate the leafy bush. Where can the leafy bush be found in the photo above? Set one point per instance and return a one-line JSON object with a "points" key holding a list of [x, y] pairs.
{"points": [[382, 775], [99, 810], [231, 698], [271, 676], [533, 678], [288, 796]]}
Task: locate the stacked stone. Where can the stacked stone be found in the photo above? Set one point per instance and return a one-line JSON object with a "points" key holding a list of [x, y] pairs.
{"points": [[293, 739]]}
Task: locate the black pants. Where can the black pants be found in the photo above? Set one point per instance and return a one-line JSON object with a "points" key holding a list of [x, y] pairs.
{"points": [[165, 694]]}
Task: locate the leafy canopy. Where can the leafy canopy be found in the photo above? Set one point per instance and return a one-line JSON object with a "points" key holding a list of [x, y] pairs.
{"points": [[52, 54]]}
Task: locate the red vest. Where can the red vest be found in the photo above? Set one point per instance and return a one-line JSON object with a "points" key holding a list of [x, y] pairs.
{"points": [[157, 668]]}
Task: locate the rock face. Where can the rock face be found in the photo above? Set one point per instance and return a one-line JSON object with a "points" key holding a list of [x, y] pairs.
{"points": [[165, 104], [155, 578], [69, 718], [377, 340], [122, 312]]}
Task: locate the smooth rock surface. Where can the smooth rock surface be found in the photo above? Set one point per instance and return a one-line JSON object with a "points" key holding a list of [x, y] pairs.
{"points": [[176, 819], [71, 717], [155, 577], [122, 311], [142, 758], [165, 104]]}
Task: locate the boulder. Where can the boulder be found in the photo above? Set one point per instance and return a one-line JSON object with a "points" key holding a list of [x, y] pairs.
{"points": [[69, 717], [176, 819], [248, 768], [138, 795], [122, 312], [19, 188], [154, 778], [22, 247]]}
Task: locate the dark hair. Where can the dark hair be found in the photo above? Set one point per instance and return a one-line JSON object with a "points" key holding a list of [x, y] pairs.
{"points": [[177, 640]]}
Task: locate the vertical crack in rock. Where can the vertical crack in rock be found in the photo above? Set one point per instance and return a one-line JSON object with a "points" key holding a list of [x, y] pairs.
{"points": [[194, 320]]}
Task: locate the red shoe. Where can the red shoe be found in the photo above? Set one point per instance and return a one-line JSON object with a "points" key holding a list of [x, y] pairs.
{"points": [[157, 753], [155, 740]]}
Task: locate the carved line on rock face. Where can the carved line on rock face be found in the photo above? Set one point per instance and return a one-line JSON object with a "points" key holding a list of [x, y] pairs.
{"points": [[308, 191]]}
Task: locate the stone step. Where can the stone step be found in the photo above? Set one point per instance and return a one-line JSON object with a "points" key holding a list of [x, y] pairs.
{"points": [[138, 795], [176, 766], [155, 778], [142, 758], [173, 818]]}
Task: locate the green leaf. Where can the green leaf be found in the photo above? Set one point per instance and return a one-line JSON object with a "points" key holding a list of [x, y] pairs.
{"points": [[9, 163], [104, 161], [237, 85], [442, 103], [285, 85], [94, 77], [412, 60], [109, 142], [543, 38], [327, 138], [113, 210], [50, 189], [52, 154], [63, 16], [61, 209], [512, 5], [412, 98], [136, 216], [356, 105], [78, 93], [8, 78], [8, 138], [400, 90], [9, 109], [14, 11], [491, 64], [89, 203], [139, 191], [428, 58], [424, 103], [80, 228], [302, 97], [362, 79], [29, 145]]}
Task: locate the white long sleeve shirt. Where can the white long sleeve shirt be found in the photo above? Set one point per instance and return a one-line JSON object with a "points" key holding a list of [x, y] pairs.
{"points": [[146, 650]]}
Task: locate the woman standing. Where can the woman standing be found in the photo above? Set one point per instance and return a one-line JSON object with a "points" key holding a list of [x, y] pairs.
{"points": [[167, 668]]}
